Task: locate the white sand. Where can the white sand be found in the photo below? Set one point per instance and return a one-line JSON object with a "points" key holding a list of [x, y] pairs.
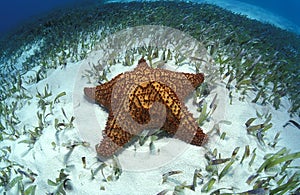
{"points": [[47, 160]]}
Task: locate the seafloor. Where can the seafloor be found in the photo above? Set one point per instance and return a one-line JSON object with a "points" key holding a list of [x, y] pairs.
{"points": [[225, 32], [252, 58]]}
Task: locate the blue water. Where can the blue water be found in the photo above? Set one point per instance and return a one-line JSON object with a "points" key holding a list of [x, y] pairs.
{"points": [[14, 12], [288, 9]]}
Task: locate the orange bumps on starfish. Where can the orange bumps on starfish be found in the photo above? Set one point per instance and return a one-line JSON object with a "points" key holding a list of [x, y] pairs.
{"points": [[146, 98]]}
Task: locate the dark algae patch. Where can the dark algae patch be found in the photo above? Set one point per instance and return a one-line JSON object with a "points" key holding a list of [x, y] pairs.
{"points": [[259, 55]]}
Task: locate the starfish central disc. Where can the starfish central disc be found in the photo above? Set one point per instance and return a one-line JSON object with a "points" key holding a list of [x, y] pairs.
{"points": [[143, 97]]}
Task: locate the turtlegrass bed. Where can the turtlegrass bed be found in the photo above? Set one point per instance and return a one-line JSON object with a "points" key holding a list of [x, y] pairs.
{"points": [[252, 56]]}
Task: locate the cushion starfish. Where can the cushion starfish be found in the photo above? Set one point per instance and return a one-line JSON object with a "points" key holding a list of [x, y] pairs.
{"points": [[146, 98]]}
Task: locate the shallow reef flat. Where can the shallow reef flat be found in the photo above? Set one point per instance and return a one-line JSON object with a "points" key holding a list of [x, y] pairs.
{"points": [[248, 104]]}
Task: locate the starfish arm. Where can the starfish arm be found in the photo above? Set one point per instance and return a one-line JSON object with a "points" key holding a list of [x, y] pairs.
{"points": [[102, 93], [181, 83], [185, 128], [114, 138], [195, 79], [179, 121], [200, 138]]}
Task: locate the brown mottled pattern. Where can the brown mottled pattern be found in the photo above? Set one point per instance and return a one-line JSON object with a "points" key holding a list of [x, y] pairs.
{"points": [[145, 95], [146, 98], [102, 93]]}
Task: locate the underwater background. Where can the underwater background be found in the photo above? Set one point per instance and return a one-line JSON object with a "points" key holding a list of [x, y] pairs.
{"points": [[248, 105], [287, 9], [14, 12]]}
